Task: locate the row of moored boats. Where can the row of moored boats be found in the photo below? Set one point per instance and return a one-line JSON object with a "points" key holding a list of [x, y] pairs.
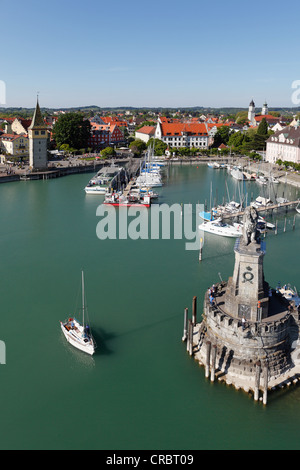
{"points": [[138, 192], [240, 174]]}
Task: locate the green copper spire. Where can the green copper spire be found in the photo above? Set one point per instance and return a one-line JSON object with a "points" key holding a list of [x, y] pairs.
{"points": [[37, 120]]}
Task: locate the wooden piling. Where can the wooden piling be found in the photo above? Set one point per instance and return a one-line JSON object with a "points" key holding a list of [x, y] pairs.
{"points": [[201, 249], [188, 336], [207, 364], [194, 311], [185, 324], [257, 380], [213, 363], [191, 334], [265, 394]]}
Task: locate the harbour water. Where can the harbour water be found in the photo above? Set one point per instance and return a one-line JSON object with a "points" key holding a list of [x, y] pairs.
{"points": [[141, 390]]}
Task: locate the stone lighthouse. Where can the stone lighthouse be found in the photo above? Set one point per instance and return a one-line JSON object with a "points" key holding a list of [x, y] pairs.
{"points": [[38, 138], [249, 333]]}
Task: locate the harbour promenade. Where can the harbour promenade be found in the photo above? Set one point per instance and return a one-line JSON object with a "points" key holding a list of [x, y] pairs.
{"points": [[63, 168], [74, 165]]}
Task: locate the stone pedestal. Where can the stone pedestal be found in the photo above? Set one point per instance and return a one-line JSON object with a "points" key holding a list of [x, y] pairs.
{"points": [[247, 292]]}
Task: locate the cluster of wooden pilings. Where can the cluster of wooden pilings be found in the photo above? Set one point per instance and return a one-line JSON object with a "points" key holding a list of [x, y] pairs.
{"points": [[188, 327]]}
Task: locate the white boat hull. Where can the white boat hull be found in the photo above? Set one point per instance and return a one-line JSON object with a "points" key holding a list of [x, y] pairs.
{"points": [[95, 190], [221, 230], [77, 342], [238, 175]]}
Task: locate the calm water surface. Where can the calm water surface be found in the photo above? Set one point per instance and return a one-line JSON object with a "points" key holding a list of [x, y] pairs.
{"points": [[141, 390]]}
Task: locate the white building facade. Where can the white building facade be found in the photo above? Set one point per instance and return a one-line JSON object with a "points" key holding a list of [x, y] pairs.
{"points": [[284, 145], [182, 134]]}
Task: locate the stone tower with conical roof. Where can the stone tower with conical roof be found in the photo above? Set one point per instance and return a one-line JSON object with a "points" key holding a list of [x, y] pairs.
{"points": [[38, 137]]}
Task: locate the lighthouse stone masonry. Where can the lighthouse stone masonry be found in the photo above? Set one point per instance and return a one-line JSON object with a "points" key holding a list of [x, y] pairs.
{"points": [[247, 293], [247, 326]]}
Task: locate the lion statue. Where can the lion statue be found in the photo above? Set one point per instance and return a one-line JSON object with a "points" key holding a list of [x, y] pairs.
{"points": [[250, 219]]}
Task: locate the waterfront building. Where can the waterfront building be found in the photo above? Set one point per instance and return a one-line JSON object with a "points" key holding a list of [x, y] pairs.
{"points": [[182, 134], [271, 120], [14, 145], [105, 132], [284, 145], [38, 140], [20, 126], [145, 133], [99, 139]]}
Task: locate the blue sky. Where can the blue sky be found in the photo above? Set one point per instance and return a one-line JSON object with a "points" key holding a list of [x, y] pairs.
{"points": [[166, 53]]}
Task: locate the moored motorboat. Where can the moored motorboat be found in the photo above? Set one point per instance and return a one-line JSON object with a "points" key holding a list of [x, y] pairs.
{"points": [[213, 165], [131, 200], [218, 227], [237, 174], [289, 293], [262, 180]]}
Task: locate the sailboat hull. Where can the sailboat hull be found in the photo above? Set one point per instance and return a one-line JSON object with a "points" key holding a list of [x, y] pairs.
{"points": [[75, 339]]}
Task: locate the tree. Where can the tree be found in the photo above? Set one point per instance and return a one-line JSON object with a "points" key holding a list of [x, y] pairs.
{"points": [[159, 146], [263, 127], [107, 152], [261, 135], [242, 117], [137, 147], [73, 130], [222, 136]]}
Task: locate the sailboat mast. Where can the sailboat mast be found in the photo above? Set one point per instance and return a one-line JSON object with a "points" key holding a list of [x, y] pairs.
{"points": [[82, 281]]}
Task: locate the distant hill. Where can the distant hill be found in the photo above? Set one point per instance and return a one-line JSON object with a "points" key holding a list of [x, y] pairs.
{"points": [[19, 111]]}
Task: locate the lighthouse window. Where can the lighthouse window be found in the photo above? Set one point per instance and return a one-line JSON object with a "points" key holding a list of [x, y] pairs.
{"points": [[43, 132], [36, 132]]}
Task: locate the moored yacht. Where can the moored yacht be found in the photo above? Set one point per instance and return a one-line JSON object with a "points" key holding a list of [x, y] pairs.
{"points": [[237, 174], [218, 227]]}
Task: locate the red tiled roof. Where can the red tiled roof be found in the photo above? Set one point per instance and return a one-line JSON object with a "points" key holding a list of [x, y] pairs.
{"points": [[11, 136], [177, 128], [268, 117], [146, 130]]}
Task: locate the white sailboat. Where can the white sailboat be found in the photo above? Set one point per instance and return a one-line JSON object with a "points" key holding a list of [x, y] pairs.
{"points": [[77, 334], [298, 208]]}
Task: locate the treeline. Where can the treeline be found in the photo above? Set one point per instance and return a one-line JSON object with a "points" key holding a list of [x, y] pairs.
{"points": [[253, 139], [289, 165]]}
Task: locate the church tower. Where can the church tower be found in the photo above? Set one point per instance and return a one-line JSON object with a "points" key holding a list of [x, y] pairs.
{"points": [[251, 112], [264, 110], [38, 137]]}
